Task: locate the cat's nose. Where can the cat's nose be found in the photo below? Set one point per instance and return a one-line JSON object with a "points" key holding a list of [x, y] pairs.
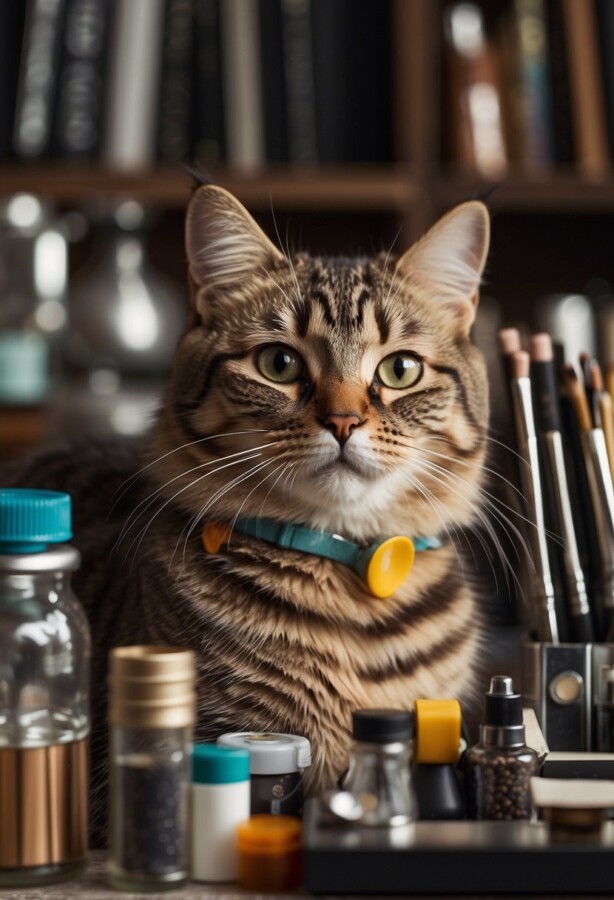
{"points": [[342, 425]]}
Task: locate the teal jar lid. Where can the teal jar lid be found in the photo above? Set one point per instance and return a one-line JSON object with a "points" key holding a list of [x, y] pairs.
{"points": [[31, 519], [219, 765]]}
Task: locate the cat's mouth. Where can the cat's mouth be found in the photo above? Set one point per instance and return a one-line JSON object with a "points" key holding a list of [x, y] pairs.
{"points": [[345, 464]]}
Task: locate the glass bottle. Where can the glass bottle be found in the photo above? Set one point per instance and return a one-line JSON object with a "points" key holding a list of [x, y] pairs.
{"points": [[44, 693], [151, 714], [500, 765], [379, 771]]}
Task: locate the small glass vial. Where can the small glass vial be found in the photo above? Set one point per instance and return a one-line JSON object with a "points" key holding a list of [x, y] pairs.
{"points": [[44, 693], [500, 765], [277, 763], [379, 772], [269, 853], [151, 714], [220, 801]]}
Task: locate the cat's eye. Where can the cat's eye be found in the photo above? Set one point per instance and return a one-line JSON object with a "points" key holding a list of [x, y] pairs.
{"points": [[399, 370], [280, 363]]}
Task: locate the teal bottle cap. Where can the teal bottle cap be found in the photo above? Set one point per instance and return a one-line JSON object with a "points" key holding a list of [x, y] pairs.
{"points": [[219, 765], [31, 519]]}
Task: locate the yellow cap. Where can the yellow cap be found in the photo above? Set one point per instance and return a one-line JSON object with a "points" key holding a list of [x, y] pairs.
{"points": [[438, 731], [389, 566]]}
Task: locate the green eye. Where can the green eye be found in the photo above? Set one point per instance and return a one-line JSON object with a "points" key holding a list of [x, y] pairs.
{"points": [[279, 363], [399, 370]]}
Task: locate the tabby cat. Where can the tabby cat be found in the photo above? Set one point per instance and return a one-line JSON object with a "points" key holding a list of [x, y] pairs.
{"points": [[342, 394]]}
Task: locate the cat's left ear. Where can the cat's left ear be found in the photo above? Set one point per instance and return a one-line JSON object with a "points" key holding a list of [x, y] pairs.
{"points": [[224, 245], [450, 259]]}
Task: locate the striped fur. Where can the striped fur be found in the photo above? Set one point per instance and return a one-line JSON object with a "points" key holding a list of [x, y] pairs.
{"points": [[288, 642]]}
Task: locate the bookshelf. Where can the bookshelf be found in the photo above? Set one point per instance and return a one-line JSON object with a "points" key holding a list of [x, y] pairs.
{"points": [[539, 218]]}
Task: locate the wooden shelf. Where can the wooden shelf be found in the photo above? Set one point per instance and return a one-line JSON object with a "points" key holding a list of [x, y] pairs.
{"points": [[341, 188], [560, 192]]}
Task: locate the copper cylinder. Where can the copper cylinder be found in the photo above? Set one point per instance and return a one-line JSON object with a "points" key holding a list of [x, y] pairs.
{"points": [[151, 687], [43, 804]]}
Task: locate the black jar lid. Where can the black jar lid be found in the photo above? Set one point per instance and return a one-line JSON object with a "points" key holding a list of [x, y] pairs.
{"points": [[502, 704], [382, 726]]}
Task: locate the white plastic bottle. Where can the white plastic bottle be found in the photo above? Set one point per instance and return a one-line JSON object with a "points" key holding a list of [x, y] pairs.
{"points": [[220, 800]]}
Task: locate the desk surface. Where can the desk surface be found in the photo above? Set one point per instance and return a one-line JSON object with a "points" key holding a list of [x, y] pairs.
{"points": [[93, 886]]}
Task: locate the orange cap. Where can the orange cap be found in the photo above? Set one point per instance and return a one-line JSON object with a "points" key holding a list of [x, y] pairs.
{"points": [[269, 834], [269, 853]]}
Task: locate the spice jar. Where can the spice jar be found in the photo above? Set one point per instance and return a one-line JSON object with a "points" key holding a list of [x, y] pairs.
{"points": [[276, 766], [44, 693], [220, 801], [151, 714], [269, 853], [379, 769], [500, 765]]}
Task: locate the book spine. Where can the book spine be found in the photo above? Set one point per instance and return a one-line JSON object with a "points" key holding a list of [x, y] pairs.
{"points": [[132, 91], [242, 84], [477, 136], [331, 77], [535, 106], [587, 97], [77, 123], [173, 144], [563, 138], [299, 77], [37, 78], [208, 138], [274, 97], [605, 17], [12, 18]]}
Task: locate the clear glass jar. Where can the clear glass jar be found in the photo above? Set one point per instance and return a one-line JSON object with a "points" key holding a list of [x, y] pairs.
{"points": [[44, 693], [150, 774], [151, 712], [379, 773]]}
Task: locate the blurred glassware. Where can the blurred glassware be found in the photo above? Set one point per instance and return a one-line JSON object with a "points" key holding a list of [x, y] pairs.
{"points": [[125, 316], [33, 287]]}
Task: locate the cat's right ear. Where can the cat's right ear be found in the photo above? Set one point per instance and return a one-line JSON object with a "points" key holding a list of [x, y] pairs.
{"points": [[224, 245]]}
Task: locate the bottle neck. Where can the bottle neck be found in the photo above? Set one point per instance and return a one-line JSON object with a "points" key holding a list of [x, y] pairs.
{"points": [[506, 736]]}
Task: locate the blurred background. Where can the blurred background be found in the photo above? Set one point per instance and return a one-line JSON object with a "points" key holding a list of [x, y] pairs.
{"points": [[343, 126]]}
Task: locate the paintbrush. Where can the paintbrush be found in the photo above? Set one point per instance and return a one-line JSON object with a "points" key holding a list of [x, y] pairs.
{"points": [[602, 416], [602, 494], [547, 624], [548, 418]]}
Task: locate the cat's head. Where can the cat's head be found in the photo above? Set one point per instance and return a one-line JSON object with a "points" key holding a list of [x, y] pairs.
{"points": [[341, 393]]}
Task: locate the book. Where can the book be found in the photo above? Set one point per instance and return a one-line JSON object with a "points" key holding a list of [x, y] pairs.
{"points": [[562, 129], [38, 71], [586, 86], [530, 103], [605, 18], [12, 18], [274, 99], [298, 69], [208, 138], [174, 109], [474, 89], [131, 111], [371, 90], [241, 82], [332, 79], [78, 114]]}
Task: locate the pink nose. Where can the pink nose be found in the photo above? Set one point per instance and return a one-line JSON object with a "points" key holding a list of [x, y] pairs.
{"points": [[341, 425]]}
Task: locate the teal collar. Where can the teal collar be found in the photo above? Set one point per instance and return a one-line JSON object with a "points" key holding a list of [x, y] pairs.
{"points": [[383, 565]]}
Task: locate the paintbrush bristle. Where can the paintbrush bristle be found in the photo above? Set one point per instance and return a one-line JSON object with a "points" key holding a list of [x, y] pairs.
{"points": [[508, 340], [575, 391], [520, 364], [595, 376]]}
